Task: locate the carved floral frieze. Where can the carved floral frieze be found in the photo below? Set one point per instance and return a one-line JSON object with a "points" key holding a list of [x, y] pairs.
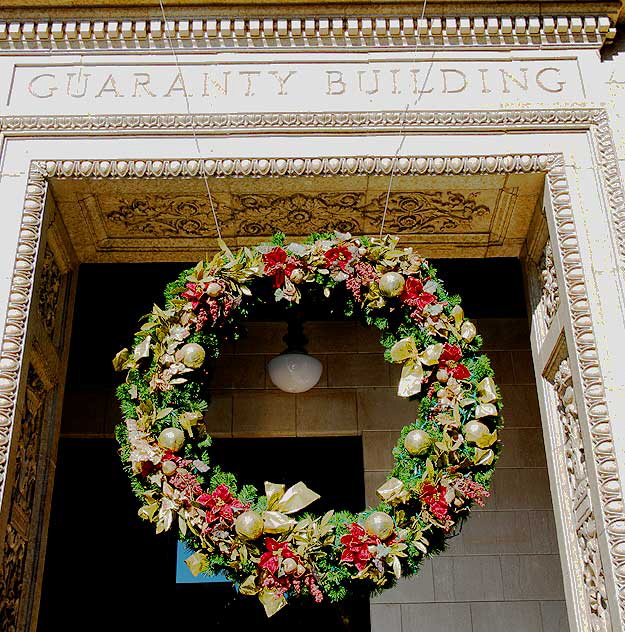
{"points": [[256, 214]]}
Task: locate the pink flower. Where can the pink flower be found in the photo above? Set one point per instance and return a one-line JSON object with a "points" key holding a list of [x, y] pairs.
{"points": [[472, 490]]}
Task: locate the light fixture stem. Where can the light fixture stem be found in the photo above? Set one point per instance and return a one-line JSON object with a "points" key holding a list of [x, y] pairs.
{"points": [[295, 340]]}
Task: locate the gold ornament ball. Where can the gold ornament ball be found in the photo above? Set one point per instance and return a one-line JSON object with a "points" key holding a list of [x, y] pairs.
{"points": [[391, 284], [442, 375], [171, 439], [417, 442], [169, 467], [214, 289], [297, 276], [289, 565], [379, 524], [475, 430], [249, 525], [192, 355]]}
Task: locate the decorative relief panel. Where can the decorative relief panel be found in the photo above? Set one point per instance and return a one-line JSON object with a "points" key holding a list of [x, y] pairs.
{"points": [[11, 578], [13, 572], [50, 286], [580, 504], [258, 214], [550, 295]]}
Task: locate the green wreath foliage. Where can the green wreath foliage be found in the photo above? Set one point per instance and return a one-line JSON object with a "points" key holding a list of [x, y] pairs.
{"points": [[264, 542]]}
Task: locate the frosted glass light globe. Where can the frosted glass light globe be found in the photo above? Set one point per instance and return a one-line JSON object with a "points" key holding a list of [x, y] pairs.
{"points": [[294, 372]]}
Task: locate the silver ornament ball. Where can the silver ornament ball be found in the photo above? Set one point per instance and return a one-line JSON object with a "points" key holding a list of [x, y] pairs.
{"points": [[249, 525], [192, 355], [391, 284], [417, 442], [171, 439], [475, 431], [168, 467], [379, 524]]}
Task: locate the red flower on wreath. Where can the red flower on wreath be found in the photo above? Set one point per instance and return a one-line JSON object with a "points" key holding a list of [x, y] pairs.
{"points": [[450, 360], [433, 496], [276, 579], [221, 505], [194, 294], [356, 544], [278, 264], [338, 256], [414, 295], [276, 552]]}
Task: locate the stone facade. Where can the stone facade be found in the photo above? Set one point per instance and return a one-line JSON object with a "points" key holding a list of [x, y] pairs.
{"points": [[514, 112]]}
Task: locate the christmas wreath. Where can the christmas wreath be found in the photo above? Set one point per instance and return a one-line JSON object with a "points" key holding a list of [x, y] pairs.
{"points": [[444, 458]]}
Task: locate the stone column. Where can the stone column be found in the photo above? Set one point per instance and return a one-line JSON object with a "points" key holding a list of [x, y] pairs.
{"points": [[33, 384], [578, 431]]}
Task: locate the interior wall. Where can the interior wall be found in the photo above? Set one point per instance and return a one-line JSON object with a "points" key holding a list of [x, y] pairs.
{"points": [[503, 571]]}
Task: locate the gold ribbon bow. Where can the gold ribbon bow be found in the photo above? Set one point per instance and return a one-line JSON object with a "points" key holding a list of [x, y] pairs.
{"points": [[412, 373], [487, 391], [393, 490], [280, 503]]}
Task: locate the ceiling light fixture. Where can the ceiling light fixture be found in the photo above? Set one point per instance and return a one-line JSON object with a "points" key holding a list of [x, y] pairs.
{"points": [[294, 371]]}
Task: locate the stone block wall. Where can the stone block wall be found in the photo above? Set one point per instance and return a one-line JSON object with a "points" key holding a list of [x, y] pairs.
{"points": [[503, 571]]}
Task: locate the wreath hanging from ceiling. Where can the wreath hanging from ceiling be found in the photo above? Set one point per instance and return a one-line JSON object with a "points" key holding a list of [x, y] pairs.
{"points": [[264, 541]]}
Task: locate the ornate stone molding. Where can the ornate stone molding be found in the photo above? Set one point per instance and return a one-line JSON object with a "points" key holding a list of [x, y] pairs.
{"points": [[358, 122], [587, 556], [612, 180], [22, 283], [351, 165], [602, 453], [128, 33]]}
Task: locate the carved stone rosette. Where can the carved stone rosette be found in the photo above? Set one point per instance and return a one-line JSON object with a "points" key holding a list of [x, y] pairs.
{"points": [[580, 503]]}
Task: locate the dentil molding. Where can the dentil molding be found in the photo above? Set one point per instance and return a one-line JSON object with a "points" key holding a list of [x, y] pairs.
{"points": [[193, 33]]}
